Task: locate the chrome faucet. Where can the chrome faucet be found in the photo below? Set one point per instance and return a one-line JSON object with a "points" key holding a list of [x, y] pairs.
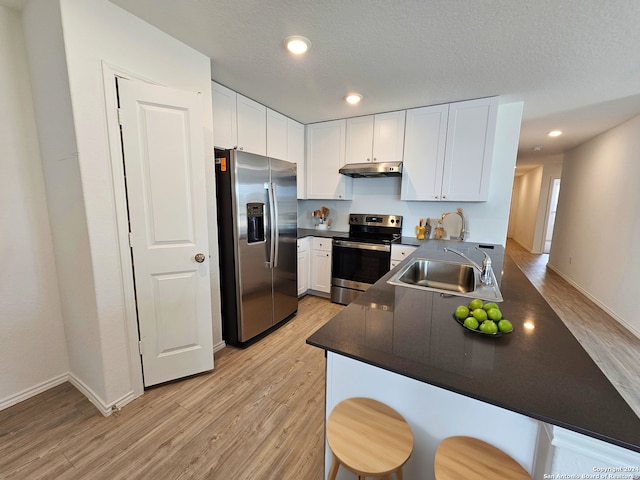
{"points": [[485, 270]]}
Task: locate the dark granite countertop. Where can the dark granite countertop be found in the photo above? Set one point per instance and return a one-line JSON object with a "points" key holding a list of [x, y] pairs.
{"points": [[543, 372]]}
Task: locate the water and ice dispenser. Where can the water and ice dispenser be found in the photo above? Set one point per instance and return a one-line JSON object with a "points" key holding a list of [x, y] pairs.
{"points": [[255, 222]]}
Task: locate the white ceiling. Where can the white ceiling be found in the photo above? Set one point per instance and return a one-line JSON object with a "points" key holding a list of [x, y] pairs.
{"points": [[574, 63]]}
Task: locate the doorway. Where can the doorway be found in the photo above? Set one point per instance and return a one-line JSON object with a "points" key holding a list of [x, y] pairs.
{"points": [[551, 214]]}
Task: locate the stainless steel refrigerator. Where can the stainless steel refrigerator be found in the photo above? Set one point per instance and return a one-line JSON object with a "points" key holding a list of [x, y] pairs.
{"points": [[257, 233]]}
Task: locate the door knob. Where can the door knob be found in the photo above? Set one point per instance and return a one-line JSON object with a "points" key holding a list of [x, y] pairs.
{"points": [[199, 257]]}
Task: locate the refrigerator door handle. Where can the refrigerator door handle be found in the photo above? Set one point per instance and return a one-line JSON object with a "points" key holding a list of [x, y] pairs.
{"points": [[271, 261], [276, 227]]}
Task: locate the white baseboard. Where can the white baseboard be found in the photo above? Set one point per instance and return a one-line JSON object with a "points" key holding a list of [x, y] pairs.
{"points": [[104, 408], [219, 346], [33, 391], [611, 313]]}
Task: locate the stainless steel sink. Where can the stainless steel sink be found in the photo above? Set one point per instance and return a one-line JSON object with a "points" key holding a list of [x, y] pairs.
{"points": [[445, 277]]}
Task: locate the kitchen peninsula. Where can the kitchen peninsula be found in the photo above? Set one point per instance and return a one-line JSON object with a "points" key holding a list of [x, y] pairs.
{"points": [[534, 393]]}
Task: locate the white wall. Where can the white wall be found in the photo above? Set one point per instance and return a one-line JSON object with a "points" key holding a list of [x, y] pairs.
{"points": [[551, 171], [524, 209], [32, 342], [99, 35], [486, 221], [597, 229]]}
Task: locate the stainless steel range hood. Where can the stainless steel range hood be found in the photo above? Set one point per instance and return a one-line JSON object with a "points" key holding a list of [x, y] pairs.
{"points": [[372, 169]]}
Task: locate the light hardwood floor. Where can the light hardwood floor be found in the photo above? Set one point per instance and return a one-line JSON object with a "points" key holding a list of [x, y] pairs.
{"points": [[258, 415]]}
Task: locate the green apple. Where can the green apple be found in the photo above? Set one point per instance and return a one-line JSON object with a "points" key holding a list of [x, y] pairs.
{"points": [[479, 314], [476, 303], [471, 323], [505, 326], [462, 312], [489, 326], [494, 314]]}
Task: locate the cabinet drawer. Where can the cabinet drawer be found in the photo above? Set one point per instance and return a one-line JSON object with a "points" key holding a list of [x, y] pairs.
{"points": [[321, 243], [400, 252]]}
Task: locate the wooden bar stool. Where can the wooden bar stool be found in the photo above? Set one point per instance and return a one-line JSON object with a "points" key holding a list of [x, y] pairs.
{"points": [[473, 459], [368, 438]]}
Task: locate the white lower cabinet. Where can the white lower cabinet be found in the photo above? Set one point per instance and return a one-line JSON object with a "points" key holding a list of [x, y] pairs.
{"points": [[399, 253], [304, 264], [321, 265]]}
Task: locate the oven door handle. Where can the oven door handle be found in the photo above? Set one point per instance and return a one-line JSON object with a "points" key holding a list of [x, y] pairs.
{"points": [[361, 246]]}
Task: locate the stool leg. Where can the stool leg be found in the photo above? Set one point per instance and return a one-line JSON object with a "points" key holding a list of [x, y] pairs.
{"points": [[335, 464], [399, 474]]}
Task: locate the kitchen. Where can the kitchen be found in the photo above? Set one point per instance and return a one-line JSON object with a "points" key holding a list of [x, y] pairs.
{"points": [[97, 349]]}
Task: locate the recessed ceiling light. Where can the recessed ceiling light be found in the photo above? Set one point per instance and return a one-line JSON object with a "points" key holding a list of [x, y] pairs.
{"points": [[353, 98], [297, 44], [555, 133]]}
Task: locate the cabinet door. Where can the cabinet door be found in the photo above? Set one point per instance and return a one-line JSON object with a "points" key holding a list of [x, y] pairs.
{"points": [[295, 153], [325, 155], [304, 265], [388, 137], [252, 126], [469, 150], [277, 135], [359, 143], [424, 153], [225, 133], [321, 271]]}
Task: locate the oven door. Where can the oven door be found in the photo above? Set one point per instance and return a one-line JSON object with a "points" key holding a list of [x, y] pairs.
{"points": [[355, 266]]}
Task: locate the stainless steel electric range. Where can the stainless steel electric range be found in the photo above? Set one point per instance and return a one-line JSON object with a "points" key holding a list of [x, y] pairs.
{"points": [[363, 257]]}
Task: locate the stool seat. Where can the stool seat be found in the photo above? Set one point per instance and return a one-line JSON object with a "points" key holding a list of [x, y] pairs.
{"points": [[369, 438], [473, 459]]}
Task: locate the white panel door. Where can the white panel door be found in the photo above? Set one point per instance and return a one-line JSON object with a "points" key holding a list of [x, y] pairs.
{"points": [[163, 144]]}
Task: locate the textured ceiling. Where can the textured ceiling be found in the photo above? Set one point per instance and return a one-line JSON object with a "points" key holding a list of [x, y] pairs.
{"points": [[574, 63]]}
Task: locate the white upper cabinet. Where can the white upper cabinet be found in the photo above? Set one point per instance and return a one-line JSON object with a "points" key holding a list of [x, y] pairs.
{"points": [[325, 156], [252, 125], [424, 145], [448, 151], [276, 135], [238, 121], [285, 140], [469, 151], [295, 152], [359, 141], [388, 136], [375, 138], [225, 133]]}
